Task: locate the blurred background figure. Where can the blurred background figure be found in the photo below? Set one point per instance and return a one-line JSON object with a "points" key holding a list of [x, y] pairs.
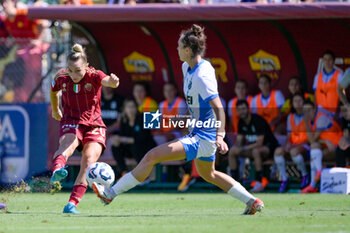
{"points": [[132, 141], [323, 136], [295, 87], [326, 84], [343, 149], [141, 93], [268, 104], [296, 146]]}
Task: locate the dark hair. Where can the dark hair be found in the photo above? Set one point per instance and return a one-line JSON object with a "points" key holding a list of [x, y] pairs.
{"points": [[124, 118], [242, 81], [329, 52], [145, 86], [295, 78], [240, 102], [307, 101], [268, 78], [293, 110], [172, 84], [194, 39], [76, 53], [300, 82]]}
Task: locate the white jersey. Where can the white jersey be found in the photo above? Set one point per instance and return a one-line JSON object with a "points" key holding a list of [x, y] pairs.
{"points": [[200, 86]]}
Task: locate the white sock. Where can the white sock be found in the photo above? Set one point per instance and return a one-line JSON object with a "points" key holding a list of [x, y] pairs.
{"points": [[316, 155], [72, 203], [281, 165], [313, 173], [239, 192], [299, 161], [125, 183]]}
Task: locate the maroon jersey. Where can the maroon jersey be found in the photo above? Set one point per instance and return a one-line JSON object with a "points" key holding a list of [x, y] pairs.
{"points": [[81, 101]]}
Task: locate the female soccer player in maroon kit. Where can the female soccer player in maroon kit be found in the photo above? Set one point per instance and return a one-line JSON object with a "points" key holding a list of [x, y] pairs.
{"points": [[81, 125]]}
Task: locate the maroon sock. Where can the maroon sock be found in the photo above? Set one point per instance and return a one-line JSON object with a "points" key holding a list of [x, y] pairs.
{"points": [[77, 193], [58, 162]]}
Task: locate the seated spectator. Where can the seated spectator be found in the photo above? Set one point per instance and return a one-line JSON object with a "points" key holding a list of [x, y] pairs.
{"points": [[172, 106], [268, 103], [296, 146], [31, 47], [111, 106], [343, 150], [133, 140], [294, 87], [326, 85], [144, 102], [254, 140], [323, 135], [241, 91]]}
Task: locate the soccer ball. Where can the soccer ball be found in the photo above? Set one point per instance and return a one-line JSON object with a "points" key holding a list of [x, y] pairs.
{"points": [[100, 173]]}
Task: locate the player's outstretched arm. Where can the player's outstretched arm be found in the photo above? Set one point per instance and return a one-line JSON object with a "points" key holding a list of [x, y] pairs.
{"points": [[111, 81], [56, 112]]}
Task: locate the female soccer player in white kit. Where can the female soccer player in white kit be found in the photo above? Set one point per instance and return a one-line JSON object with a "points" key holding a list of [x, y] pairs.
{"points": [[201, 93]]}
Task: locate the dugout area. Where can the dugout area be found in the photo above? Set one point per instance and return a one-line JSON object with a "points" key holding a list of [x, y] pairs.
{"points": [[138, 43]]}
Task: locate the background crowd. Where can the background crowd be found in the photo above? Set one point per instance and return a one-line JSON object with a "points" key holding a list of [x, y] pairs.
{"points": [[310, 130]]}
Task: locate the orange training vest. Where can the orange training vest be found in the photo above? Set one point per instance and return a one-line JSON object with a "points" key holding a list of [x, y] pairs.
{"points": [[326, 93], [298, 134], [234, 113], [270, 111], [147, 104], [333, 134], [173, 111]]}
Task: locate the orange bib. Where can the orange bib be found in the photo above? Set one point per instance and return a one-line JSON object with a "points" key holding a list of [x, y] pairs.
{"points": [[173, 111], [326, 93], [298, 134], [270, 111], [333, 134]]}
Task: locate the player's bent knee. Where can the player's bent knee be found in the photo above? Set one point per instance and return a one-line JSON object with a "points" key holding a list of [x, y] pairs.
{"points": [[151, 156]]}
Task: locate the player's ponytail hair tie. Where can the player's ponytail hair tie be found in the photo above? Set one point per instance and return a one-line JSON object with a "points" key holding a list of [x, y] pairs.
{"points": [[197, 30], [77, 53], [195, 39]]}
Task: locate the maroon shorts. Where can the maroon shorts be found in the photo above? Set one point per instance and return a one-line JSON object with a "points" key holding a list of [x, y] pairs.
{"points": [[85, 134]]}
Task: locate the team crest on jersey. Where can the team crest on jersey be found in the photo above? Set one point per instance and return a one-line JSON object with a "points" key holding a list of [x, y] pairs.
{"points": [[64, 87], [88, 86], [76, 88], [190, 85]]}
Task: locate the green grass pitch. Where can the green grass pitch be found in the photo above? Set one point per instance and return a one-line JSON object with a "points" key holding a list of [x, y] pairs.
{"points": [[135, 212]]}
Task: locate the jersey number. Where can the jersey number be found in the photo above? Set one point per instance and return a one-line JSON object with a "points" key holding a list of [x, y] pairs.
{"points": [[98, 131]]}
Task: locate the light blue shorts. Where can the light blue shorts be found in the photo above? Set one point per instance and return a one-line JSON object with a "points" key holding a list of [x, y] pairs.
{"points": [[197, 148]]}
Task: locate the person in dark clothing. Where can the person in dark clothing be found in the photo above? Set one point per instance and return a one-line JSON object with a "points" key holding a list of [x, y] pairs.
{"points": [[133, 141], [343, 150], [254, 140], [111, 106]]}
